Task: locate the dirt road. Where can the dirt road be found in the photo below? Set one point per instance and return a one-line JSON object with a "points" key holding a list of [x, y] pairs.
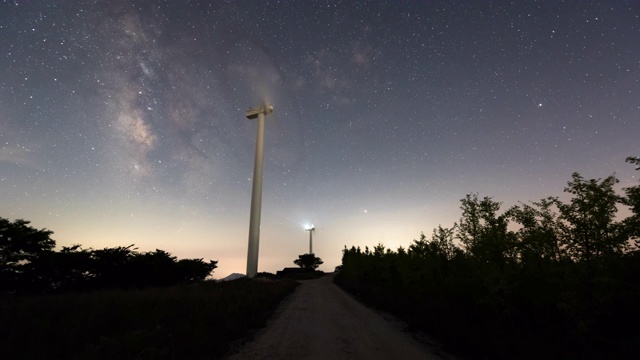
{"points": [[320, 321]]}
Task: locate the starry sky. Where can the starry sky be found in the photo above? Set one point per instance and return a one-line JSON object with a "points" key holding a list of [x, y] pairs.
{"points": [[122, 122]]}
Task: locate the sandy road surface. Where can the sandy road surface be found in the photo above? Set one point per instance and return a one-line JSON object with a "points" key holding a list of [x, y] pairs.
{"points": [[320, 321]]}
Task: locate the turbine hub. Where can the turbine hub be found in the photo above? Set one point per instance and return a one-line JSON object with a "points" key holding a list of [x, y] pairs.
{"points": [[253, 113]]}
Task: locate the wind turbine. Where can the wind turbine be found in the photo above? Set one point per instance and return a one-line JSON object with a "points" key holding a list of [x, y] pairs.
{"points": [[256, 191], [310, 229]]}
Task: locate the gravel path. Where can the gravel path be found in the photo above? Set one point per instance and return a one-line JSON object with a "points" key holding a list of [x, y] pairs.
{"points": [[320, 321]]}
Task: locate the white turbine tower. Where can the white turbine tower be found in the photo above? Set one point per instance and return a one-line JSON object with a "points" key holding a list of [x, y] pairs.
{"points": [[310, 229], [256, 191]]}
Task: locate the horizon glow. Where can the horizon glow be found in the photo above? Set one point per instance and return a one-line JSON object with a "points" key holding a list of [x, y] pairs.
{"points": [[123, 123]]}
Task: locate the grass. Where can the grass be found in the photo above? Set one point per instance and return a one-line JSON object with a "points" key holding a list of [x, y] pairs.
{"points": [[194, 322]]}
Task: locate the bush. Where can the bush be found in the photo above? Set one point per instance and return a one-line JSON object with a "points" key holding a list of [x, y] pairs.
{"points": [[198, 321]]}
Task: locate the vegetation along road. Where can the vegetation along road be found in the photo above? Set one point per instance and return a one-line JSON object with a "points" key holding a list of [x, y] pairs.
{"points": [[320, 321]]}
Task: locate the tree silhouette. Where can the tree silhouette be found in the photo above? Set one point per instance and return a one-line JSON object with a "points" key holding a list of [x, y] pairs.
{"points": [[188, 270], [110, 266], [308, 261], [483, 232], [65, 270], [20, 245], [552, 279], [537, 239], [29, 264], [632, 200], [588, 228]]}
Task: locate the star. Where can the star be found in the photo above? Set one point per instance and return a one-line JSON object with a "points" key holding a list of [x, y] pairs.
{"points": [[140, 110]]}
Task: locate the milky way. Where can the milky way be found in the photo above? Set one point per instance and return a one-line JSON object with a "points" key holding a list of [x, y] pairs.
{"points": [[123, 121]]}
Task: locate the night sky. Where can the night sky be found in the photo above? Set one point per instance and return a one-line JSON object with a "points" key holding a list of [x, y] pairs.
{"points": [[122, 122]]}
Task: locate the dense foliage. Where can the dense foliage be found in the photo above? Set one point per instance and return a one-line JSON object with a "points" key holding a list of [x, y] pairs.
{"points": [[30, 264], [308, 261], [199, 321], [548, 279]]}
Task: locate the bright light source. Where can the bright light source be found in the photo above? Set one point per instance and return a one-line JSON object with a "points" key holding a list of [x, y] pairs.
{"points": [[309, 227]]}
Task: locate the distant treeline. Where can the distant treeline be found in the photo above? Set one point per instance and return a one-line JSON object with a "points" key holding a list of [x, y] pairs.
{"points": [[30, 264], [548, 279]]}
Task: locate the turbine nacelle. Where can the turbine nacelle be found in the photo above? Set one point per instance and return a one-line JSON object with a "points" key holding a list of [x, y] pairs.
{"points": [[253, 113]]}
